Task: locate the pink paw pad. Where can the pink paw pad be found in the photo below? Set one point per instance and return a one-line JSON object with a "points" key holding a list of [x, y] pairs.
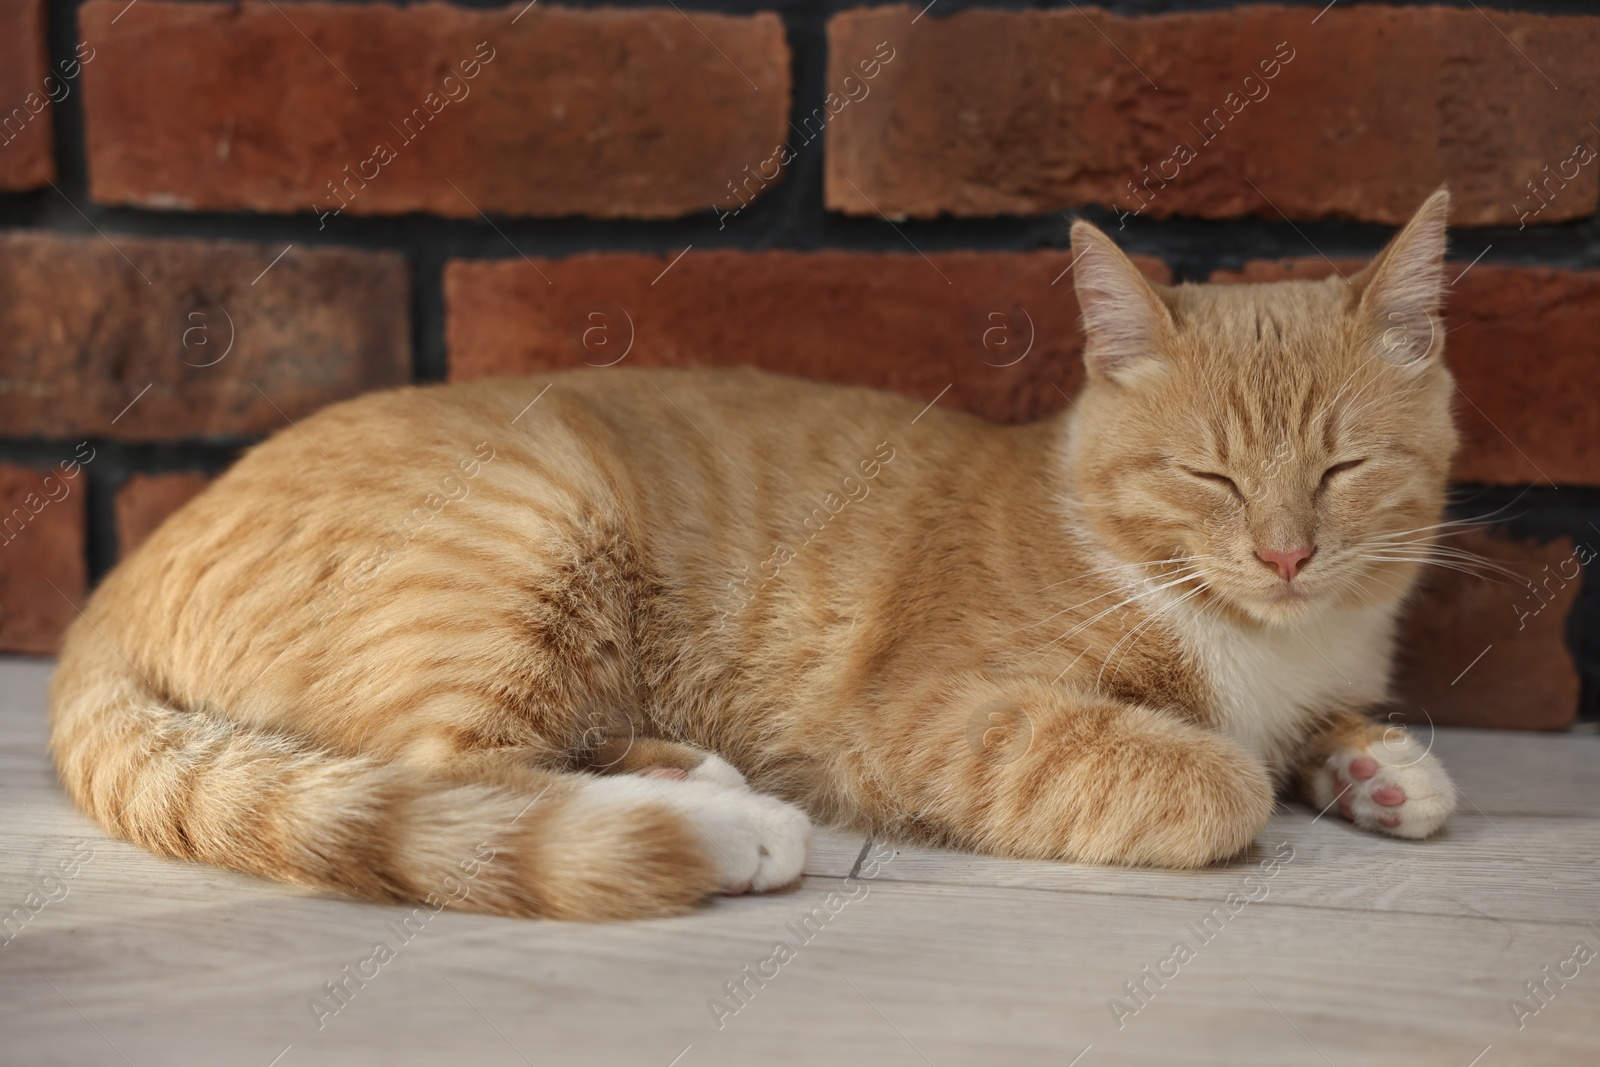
{"points": [[1363, 767], [1390, 796]]}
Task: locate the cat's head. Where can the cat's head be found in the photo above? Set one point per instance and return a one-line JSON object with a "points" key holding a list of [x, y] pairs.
{"points": [[1284, 445]]}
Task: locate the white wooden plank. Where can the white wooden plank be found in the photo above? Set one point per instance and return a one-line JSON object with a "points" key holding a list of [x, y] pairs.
{"points": [[965, 974], [1504, 772]]}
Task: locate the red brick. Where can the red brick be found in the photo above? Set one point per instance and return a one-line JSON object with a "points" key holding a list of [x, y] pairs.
{"points": [[903, 322], [1522, 348], [43, 573], [84, 332], [647, 113], [1301, 268], [1526, 678], [145, 501], [990, 112], [26, 141]]}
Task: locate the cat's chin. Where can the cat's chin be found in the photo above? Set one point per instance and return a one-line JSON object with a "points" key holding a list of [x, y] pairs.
{"points": [[1283, 607], [1280, 607]]}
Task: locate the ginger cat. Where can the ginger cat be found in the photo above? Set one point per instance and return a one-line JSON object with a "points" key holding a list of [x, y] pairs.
{"points": [[557, 646]]}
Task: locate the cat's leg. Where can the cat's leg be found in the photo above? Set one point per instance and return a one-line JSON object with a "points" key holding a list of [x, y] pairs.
{"points": [[1030, 770], [1378, 776]]}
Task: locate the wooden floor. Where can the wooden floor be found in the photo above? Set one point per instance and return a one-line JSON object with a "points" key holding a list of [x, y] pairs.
{"points": [[1355, 951]]}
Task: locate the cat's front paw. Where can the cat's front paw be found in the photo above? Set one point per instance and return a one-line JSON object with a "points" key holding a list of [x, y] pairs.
{"points": [[1391, 784]]}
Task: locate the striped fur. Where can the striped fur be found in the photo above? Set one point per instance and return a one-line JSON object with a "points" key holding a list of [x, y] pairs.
{"points": [[397, 650]]}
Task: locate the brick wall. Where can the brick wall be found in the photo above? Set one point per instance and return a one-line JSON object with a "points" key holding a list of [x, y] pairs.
{"points": [[215, 218]]}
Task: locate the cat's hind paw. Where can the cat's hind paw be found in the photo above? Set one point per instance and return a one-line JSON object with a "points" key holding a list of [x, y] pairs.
{"points": [[757, 842], [1391, 785], [718, 771], [713, 770]]}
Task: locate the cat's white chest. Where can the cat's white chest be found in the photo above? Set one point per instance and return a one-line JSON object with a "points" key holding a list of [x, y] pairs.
{"points": [[1268, 683]]}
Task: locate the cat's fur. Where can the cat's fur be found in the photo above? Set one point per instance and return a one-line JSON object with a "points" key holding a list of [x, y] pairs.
{"points": [[472, 643]]}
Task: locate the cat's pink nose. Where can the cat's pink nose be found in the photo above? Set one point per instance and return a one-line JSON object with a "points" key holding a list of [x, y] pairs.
{"points": [[1288, 561]]}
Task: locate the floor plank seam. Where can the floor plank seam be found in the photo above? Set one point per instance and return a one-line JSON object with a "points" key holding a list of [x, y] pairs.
{"points": [[1059, 891]]}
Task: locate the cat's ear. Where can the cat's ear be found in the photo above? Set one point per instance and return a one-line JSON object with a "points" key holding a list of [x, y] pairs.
{"points": [[1402, 290], [1125, 322]]}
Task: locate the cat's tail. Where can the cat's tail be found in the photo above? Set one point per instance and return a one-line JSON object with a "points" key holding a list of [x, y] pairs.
{"points": [[199, 786]]}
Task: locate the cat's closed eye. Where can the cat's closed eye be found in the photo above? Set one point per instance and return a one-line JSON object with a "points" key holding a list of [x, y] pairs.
{"points": [[1338, 468], [1217, 479]]}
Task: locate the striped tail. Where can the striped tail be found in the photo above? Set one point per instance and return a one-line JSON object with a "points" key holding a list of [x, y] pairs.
{"points": [[198, 786]]}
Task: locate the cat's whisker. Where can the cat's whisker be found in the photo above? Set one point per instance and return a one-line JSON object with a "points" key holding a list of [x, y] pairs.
{"points": [[1474, 558], [1116, 590], [1137, 596], [1443, 565], [1425, 543], [1044, 650], [1117, 567], [1445, 552], [1427, 546], [1144, 627], [1349, 410], [1353, 411], [1068, 667], [1352, 579], [1434, 561], [1348, 378], [1351, 583], [1492, 518], [1421, 544]]}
